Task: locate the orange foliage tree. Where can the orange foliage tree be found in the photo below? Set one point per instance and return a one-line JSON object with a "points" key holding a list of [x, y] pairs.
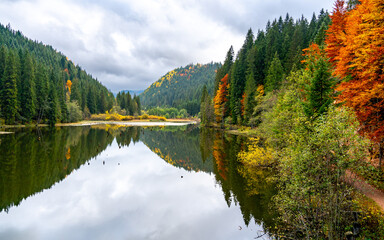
{"points": [[69, 85], [221, 99], [336, 32], [360, 62]]}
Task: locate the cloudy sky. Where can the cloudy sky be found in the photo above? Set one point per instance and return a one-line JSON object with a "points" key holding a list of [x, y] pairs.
{"points": [[128, 44]]}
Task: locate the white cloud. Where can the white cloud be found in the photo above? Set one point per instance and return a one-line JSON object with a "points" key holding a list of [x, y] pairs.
{"points": [[130, 44]]}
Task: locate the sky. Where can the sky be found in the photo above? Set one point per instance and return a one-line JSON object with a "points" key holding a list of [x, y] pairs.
{"points": [[129, 44]]}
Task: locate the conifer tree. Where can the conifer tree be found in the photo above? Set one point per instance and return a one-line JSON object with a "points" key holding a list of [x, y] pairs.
{"points": [[320, 90], [3, 57], [202, 105], [274, 75], [136, 100], [238, 77], [52, 111], [129, 104], [41, 89], [91, 100], [226, 68], [8, 89], [27, 95]]}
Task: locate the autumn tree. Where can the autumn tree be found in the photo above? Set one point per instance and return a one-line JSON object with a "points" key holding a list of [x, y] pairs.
{"points": [[221, 100], [360, 62], [206, 108], [336, 31]]}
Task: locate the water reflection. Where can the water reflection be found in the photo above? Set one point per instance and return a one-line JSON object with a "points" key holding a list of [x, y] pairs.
{"points": [[33, 160], [125, 192]]}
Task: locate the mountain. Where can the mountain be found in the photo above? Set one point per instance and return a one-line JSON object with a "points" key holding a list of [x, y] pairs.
{"points": [[181, 87], [133, 92], [40, 84]]}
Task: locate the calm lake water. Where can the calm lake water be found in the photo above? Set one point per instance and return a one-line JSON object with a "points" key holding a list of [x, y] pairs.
{"points": [[105, 182]]}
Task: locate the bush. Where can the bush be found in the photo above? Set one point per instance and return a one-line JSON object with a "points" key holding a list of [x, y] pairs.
{"points": [[74, 112]]}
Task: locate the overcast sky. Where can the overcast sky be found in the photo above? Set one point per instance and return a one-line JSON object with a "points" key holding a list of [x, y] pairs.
{"points": [[129, 44]]}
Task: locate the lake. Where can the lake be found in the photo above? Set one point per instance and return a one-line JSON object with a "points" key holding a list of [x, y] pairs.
{"points": [[119, 182]]}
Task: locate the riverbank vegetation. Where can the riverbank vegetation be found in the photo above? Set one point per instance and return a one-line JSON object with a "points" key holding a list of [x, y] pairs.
{"points": [[117, 117], [314, 90]]}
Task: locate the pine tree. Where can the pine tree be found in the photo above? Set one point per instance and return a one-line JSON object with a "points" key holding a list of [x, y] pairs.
{"points": [[238, 77], [91, 100], [3, 57], [136, 100], [27, 94], [250, 86], [76, 92], [321, 34], [226, 68], [203, 99], [259, 60], [274, 75], [320, 90], [52, 111], [249, 100], [8, 89], [41, 89]]}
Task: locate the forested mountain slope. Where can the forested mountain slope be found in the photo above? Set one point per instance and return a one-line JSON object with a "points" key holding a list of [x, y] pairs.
{"points": [[38, 83], [181, 88]]}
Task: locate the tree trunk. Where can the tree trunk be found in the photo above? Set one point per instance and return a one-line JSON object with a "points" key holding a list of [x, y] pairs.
{"points": [[381, 149]]}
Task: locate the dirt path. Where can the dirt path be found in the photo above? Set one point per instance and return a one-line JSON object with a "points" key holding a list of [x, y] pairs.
{"points": [[365, 188]]}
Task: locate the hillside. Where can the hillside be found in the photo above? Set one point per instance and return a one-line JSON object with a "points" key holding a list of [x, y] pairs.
{"points": [[40, 84], [181, 88]]}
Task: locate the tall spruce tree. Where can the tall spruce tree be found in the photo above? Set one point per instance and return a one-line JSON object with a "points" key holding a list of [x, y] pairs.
{"points": [[52, 111], [250, 85], [41, 89], [27, 95], [238, 77], [8, 89], [274, 75], [129, 105], [136, 100], [202, 105], [319, 90], [226, 68], [3, 57]]}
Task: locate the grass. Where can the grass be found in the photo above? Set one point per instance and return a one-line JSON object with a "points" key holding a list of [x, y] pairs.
{"points": [[371, 217]]}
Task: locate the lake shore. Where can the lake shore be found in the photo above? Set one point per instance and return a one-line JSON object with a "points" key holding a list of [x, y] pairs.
{"points": [[169, 122]]}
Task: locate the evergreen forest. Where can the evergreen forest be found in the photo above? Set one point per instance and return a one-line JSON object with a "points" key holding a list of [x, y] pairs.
{"points": [[39, 84]]}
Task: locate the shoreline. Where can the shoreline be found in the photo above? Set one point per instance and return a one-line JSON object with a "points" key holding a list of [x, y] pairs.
{"points": [[170, 122]]}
